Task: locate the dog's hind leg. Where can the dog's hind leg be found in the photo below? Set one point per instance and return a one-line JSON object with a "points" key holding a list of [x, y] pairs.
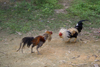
{"points": [[19, 46]]}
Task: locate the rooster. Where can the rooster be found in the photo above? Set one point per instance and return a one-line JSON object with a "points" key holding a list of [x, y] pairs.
{"points": [[67, 34], [38, 41]]}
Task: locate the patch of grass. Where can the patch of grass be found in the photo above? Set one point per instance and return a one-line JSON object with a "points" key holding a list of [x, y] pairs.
{"points": [[1, 39], [98, 37], [87, 9], [25, 16]]}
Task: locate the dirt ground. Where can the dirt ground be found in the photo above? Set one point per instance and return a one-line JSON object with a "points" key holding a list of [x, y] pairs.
{"points": [[83, 53]]}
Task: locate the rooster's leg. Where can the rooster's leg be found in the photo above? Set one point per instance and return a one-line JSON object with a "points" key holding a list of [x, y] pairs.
{"points": [[32, 48], [75, 40], [39, 45], [68, 40], [37, 49]]}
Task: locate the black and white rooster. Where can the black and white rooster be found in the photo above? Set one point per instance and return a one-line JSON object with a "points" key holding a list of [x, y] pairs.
{"points": [[67, 34]]}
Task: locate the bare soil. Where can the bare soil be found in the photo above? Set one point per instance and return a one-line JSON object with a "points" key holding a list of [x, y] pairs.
{"points": [[84, 53]]}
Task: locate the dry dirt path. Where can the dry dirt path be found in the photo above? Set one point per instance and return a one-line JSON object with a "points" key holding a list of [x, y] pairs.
{"points": [[56, 53]]}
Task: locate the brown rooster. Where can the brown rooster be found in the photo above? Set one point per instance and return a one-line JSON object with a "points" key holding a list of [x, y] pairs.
{"points": [[39, 41]]}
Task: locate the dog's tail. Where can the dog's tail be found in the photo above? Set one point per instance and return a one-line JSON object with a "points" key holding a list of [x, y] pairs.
{"points": [[19, 46]]}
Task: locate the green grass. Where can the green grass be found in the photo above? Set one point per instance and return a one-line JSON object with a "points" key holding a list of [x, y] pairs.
{"points": [[87, 9], [26, 16]]}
